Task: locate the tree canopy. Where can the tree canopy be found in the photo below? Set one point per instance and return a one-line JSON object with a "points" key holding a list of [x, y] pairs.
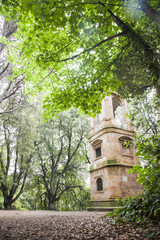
{"points": [[16, 149], [73, 50], [42, 164], [60, 153]]}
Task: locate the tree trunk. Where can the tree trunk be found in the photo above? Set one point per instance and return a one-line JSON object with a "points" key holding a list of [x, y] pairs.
{"points": [[7, 199], [52, 203], [150, 12], [7, 204], [157, 87], [52, 206]]}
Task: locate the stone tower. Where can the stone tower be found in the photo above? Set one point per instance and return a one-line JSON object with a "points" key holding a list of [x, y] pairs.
{"points": [[112, 155]]}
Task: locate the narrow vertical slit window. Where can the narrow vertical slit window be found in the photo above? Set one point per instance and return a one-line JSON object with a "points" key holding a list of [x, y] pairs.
{"points": [[99, 184], [98, 152]]}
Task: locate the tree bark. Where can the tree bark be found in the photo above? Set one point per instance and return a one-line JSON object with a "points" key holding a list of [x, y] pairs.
{"points": [[150, 12], [7, 201], [51, 203], [52, 206], [7, 205]]}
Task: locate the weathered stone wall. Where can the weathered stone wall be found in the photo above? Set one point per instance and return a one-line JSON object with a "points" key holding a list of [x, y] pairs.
{"points": [[116, 144], [117, 183], [111, 147]]}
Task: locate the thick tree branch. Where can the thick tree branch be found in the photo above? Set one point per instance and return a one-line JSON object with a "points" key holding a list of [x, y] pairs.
{"points": [[15, 165], [22, 187], [67, 188], [91, 48], [149, 56], [5, 69], [150, 12], [11, 89], [2, 165], [6, 135]]}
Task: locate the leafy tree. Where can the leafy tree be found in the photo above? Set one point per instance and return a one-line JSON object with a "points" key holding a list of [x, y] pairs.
{"points": [[34, 196], [16, 152], [15, 126], [74, 48], [134, 75], [74, 52], [60, 155]]}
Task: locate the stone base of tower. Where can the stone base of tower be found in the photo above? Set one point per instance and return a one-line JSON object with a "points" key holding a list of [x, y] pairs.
{"points": [[103, 205], [116, 183]]}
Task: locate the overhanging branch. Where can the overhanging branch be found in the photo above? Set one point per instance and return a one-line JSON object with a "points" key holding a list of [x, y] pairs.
{"points": [[67, 188], [150, 12], [93, 47], [149, 56]]}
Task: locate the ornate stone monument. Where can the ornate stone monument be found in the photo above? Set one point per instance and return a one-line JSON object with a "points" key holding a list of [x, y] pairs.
{"points": [[112, 145]]}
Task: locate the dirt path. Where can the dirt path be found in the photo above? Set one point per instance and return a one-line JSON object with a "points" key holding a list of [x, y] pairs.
{"points": [[48, 225]]}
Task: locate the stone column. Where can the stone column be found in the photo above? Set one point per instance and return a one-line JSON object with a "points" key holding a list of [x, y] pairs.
{"points": [[127, 122], [107, 111], [92, 127]]}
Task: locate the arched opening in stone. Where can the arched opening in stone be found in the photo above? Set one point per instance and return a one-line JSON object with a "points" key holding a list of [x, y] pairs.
{"points": [[117, 111], [99, 184]]}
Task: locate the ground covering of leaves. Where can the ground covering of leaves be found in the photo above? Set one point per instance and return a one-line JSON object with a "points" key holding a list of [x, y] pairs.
{"points": [[48, 225]]}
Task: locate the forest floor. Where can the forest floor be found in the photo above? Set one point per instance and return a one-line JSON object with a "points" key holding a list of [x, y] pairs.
{"points": [[50, 225]]}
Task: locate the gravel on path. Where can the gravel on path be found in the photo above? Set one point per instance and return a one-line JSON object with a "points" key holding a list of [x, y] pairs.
{"points": [[51, 225]]}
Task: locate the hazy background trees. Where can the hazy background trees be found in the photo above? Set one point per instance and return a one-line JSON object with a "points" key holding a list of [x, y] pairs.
{"points": [[45, 159], [17, 135], [59, 151], [8, 88]]}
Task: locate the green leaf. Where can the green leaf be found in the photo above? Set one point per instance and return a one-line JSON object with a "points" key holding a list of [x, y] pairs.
{"points": [[150, 235]]}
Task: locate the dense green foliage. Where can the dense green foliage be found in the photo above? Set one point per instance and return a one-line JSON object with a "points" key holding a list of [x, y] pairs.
{"points": [[147, 205], [75, 200], [43, 164], [73, 50], [34, 197], [59, 152], [144, 207], [15, 156]]}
